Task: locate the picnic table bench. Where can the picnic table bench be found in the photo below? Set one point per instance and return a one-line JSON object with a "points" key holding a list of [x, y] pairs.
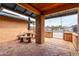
{"points": [[26, 36]]}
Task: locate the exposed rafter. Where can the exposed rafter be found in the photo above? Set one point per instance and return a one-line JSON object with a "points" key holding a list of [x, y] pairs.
{"points": [[24, 11], [28, 7], [15, 7]]}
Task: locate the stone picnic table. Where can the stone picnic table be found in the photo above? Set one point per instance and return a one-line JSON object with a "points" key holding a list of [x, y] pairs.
{"points": [[26, 36]]}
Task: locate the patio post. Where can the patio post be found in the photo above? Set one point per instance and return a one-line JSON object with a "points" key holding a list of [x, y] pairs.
{"points": [[40, 29], [78, 29]]}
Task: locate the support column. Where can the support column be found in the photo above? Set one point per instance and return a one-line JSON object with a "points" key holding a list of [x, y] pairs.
{"points": [[29, 23], [78, 29], [40, 29]]}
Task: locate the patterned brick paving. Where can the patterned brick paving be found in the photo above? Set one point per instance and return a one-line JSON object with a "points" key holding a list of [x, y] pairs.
{"points": [[51, 47]]}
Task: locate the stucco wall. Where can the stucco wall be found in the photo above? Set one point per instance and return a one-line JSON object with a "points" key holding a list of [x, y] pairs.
{"points": [[10, 28]]}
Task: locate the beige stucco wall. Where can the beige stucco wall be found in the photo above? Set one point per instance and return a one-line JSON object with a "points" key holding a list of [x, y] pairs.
{"points": [[10, 28]]}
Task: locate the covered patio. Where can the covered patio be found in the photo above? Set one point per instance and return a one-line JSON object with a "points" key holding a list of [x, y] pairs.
{"points": [[42, 46]]}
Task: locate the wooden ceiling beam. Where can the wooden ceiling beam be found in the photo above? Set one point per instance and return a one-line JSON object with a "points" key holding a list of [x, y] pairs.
{"points": [[64, 7], [52, 6], [28, 7]]}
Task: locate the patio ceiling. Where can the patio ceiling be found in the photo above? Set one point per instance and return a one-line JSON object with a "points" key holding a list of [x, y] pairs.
{"points": [[50, 10]]}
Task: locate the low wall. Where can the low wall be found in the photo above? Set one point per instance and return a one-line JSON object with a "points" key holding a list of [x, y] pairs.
{"points": [[75, 41], [67, 36], [49, 34], [72, 37]]}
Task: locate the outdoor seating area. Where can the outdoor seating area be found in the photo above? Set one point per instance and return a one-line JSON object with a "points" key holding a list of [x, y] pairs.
{"points": [[22, 30]]}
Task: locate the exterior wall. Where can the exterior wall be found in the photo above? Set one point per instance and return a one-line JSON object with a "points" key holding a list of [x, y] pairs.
{"points": [[10, 28]]}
